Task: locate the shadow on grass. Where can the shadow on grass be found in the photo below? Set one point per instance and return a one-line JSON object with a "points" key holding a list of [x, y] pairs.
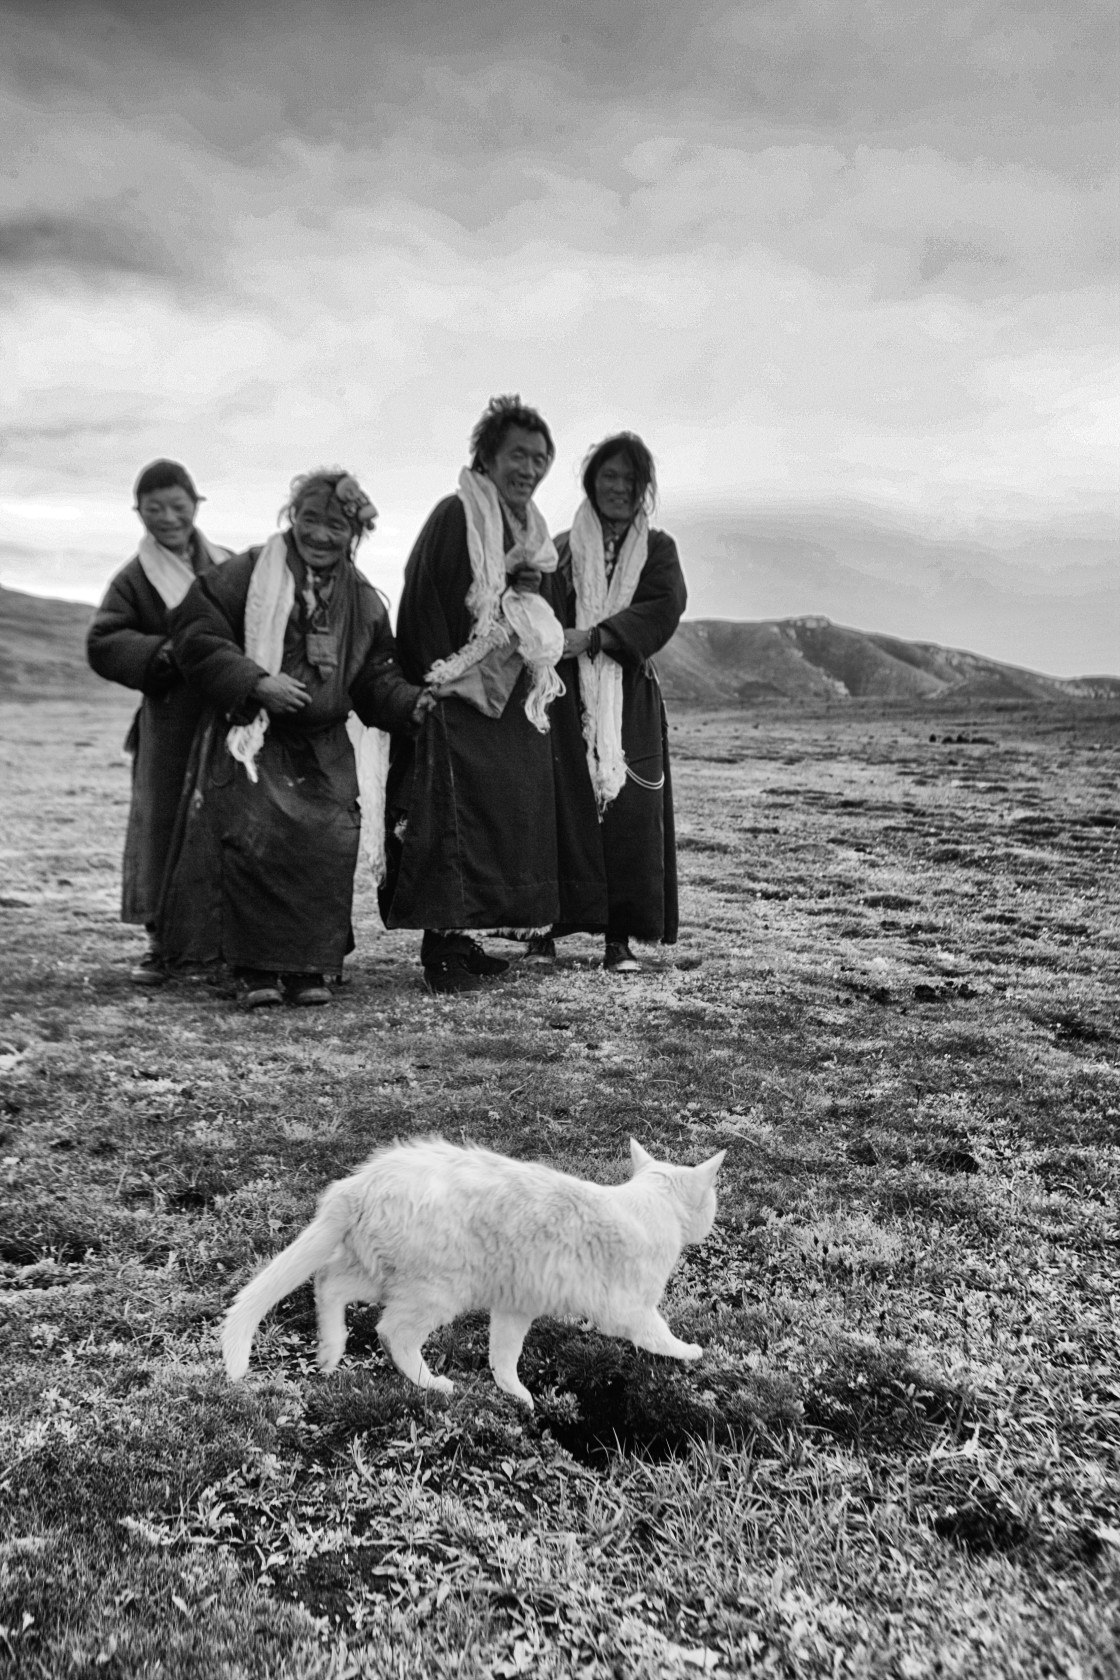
{"points": [[600, 1397], [147, 1462], [872, 1399], [51, 1235], [981, 1523]]}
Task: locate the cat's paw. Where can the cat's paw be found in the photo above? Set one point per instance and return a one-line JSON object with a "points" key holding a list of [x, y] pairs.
{"points": [[440, 1385], [328, 1357], [516, 1391], [691, 1350]]}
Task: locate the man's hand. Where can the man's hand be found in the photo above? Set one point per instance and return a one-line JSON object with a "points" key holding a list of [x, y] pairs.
{"points": [[576, 642], [526, 580], [281, 694]]}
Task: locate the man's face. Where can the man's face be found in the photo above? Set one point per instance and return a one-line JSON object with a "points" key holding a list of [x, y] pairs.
{"points": [[169, 516], [518, 466]]}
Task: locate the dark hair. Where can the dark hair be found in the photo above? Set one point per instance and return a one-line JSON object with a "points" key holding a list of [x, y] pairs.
{"points": [[165, 475], [306, 484], [336, 482], [630, 446], [502, 414]]}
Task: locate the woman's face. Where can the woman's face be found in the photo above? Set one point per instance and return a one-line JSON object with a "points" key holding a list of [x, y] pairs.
{"points": [[168, 515], [321, 531], [616, 489]]}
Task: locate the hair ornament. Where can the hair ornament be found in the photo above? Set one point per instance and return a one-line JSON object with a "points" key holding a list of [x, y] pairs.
{"points": [[354, 502]]}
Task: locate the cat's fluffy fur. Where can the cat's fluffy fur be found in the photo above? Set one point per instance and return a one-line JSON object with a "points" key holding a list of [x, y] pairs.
{"points": [[432, 1231]]}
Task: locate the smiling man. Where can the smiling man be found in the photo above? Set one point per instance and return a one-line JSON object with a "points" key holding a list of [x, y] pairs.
{"points": [[130, 643], [474, 838]]}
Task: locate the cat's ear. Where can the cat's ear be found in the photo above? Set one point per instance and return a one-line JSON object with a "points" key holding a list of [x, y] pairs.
{"points": [[707, 1170], [640, 1157]]}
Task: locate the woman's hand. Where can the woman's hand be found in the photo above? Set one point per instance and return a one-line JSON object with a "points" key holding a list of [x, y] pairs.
{"points": [[576, 642], [425, 702], [526, 580], [281, 694]]}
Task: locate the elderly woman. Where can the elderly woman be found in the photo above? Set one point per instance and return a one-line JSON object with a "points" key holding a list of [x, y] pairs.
{"points": [[129, 643], [281, 644], [620, 591]]}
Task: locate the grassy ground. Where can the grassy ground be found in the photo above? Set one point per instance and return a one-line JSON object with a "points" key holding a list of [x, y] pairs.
{"points": [[895, 1004]]}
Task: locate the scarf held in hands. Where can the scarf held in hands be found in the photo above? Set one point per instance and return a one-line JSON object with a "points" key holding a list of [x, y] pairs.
{"points": [[600, 679], [268, 605], [498, 611]]}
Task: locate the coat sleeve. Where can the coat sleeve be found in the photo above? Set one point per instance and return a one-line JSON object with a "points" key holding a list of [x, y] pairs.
{"points": [[557, 587], [642, 629], [208, 626], [128, 640], [432, 620], [381, 694]]}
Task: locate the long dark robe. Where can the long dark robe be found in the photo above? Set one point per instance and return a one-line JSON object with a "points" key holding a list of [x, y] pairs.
{"points": [[474, 840], [636, 835], [124, 644], [262, 873]]}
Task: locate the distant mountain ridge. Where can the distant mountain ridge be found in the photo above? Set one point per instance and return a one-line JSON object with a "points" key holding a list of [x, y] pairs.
{"points": [[1042, 597], [43, 648], [713, 663]]}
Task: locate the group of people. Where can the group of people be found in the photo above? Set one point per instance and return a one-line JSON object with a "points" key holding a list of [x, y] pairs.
{"points": [[506, 754]]}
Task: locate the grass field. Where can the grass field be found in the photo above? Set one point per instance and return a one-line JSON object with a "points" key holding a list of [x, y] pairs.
{"points": [[894, 1003]]}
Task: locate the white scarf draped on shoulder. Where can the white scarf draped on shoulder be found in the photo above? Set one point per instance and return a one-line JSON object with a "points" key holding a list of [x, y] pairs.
{"points": [[268, 606], [499, 612], [169, 574], [600, 679]]}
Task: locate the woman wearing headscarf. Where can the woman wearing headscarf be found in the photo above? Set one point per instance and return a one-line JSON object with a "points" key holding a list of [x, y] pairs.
{"points": [[282, 645], [129, 642], [620, 592]]}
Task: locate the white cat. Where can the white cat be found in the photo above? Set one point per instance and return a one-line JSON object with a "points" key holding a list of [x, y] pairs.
{"points": [[432, 1231]]}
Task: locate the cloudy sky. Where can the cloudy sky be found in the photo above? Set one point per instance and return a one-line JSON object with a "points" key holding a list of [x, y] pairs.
{"points": [[848, 265]]}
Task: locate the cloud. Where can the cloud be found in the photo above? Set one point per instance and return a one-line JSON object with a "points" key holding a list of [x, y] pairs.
{"points": [[77, 243], [812, 252], [1040, 598], [942, 253], [1019, 79]]}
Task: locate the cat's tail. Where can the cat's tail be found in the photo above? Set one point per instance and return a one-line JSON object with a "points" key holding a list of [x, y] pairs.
{"points": [[291, 1267]]}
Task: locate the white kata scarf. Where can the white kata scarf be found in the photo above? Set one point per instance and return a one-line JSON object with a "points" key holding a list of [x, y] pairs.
{"points": [[600, 679], [500, 612], [169, 574], [268, 606]]}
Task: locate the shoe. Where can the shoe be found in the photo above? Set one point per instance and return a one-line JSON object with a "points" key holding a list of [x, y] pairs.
{"points": [[451, 974], [257, 990], [149, 971], [540, 950], [306, 990], [619, 958], [444, 952], [478, 961]]}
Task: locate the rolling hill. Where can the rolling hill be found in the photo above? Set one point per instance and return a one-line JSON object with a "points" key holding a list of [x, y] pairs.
{"points": [[710, 662], [715, 663], [43, 648]]}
